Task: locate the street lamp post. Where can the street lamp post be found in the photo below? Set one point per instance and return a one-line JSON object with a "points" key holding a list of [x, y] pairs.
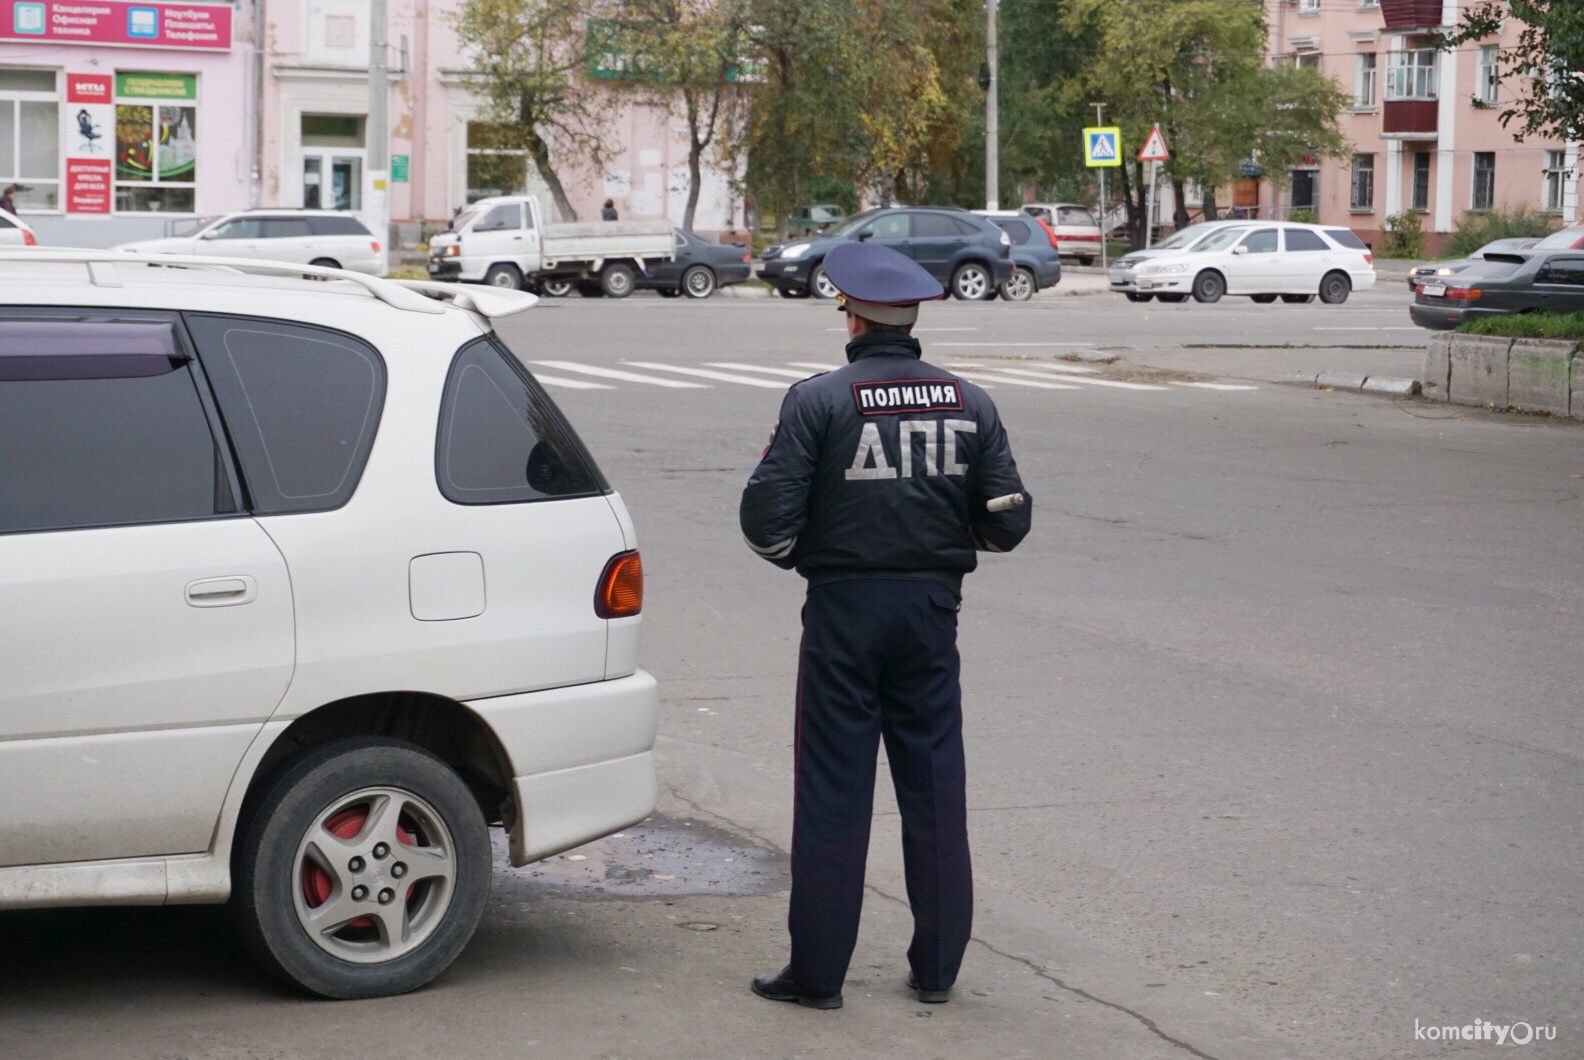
{"points": [[1100, 120], [992, 118], [377, 204]]}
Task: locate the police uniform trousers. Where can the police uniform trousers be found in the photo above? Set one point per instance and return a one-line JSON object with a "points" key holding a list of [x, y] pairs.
{"points": [[879, 659]]}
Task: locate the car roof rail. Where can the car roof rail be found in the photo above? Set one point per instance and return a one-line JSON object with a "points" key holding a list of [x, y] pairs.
{"points": [[391, 292]]}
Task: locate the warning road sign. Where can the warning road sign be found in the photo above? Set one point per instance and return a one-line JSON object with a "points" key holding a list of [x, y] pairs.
{"points": [[1101, 146], [1154, 149]]}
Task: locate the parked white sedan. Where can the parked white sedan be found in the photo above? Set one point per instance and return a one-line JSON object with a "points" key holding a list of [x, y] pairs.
{"points": [[326, 238], [1265, 261], [15, 232]]}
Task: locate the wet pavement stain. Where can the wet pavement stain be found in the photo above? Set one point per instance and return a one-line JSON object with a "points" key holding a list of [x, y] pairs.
{"points": [[662, 857]]}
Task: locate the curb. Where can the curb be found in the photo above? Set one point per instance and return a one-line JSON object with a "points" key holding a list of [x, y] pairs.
{"points": [[1353, 382]]}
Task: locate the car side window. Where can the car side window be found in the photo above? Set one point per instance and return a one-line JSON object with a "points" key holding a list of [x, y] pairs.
{"points": [[301, 404], [241, 228], [1568, 272], [501, 440], [101, 424], [285, 228], [933, 226], [337, 226], [1020, 232], [891, 226], [1261, 241], [500, 219], [1303, 239]]}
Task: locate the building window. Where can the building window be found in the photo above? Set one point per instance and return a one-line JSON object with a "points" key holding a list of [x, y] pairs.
{"points": [[30, 137], [1364, 82], [1421, 181], [1305, 189], [156, 159], [1363, 197], [1413, 74], [1485, 75], [1308, 7], [1307, 60], [496, 163], [1484, 180], [1554, 178]]}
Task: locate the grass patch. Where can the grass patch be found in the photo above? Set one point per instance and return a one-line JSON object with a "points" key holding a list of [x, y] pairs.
{"points": [[1529, 326]]}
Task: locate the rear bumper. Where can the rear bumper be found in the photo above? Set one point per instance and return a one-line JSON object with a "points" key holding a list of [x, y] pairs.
{"points": [[1437, 318], [582, 760], [444, 268]]}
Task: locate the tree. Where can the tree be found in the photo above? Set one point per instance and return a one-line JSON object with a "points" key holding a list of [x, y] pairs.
{"points": [[529, 58], [1547, 62]]}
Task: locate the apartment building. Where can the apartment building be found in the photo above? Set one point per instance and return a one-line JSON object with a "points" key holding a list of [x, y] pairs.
{"points": [[1425, 126]]}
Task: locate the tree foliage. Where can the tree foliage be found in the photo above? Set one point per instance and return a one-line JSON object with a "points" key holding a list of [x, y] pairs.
{"points": [[1547, 63]]}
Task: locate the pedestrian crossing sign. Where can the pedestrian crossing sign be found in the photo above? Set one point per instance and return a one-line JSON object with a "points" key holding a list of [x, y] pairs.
{"points": [[1101, 146]]}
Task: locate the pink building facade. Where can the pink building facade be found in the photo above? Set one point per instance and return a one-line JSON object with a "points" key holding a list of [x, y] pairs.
{"points": [[315, 138], [1425, 126]]}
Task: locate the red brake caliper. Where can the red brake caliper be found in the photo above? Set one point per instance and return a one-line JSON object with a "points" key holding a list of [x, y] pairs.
{"points": [[316, 882]]}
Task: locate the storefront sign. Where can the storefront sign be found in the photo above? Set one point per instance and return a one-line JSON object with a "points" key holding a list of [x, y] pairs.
{"points": [[87, 185], [400, 164], [156, 86], [117, 22], [87, 124]]}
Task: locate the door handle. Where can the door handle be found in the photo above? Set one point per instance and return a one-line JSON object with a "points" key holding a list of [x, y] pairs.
{"points": [[222, 592]]}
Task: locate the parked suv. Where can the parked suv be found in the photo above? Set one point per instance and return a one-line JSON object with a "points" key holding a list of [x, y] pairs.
{"points": [[327, 238], [305, 584], [969, 256], [1036, 264]]}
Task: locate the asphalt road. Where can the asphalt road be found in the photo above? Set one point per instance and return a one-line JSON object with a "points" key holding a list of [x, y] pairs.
{"points": [[1273, 726]]}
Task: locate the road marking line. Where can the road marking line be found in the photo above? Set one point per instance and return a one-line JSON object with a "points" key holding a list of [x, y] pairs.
{"points": [[785, 372], [575, 384], [918, 330], [1065, 369], [977, 375], [813, 365], [1415, 328], [1011, 344], [612, 373], [705, 373], [1085, 379], [1216, 386]]}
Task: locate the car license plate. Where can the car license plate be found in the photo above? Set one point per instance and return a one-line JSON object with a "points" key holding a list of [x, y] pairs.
{"points": [[1145, 285], [1435, 290]]}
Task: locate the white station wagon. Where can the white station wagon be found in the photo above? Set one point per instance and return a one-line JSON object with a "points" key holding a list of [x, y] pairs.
{"points": [[1265, 261], [305, 583], [327, 238]]}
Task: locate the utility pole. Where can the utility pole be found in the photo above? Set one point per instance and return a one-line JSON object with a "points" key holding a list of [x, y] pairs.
{"points": [[377, 133], [992, 117], [1100, 120]]}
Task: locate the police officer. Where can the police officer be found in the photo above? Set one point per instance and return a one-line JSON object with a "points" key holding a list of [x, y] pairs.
{"points": [[881, 481]]}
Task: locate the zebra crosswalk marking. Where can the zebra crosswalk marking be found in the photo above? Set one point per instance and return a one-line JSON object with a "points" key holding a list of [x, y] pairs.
{"points": [[1081, 379], [705, 373], [612, 373], [572, 384], [990, 377], [1216, 386], [1050, 366], [784, 372], [813, 366]]}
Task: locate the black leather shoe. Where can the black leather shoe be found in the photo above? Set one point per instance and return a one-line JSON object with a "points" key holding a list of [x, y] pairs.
{"points": [[778, 986], [929, 997]]}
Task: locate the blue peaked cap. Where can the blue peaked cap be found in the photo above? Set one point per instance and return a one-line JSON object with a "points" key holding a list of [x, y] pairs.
{"points": [[869, 272]]}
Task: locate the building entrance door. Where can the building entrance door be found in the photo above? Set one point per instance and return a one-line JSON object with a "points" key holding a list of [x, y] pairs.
{"points": [[332, 179]]}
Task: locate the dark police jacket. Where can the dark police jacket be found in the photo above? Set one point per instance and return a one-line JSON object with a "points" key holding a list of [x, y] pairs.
{"points": [[882, 469]]}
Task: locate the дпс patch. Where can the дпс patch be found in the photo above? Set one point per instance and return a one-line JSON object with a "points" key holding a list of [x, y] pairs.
{"points": [[907, 395]]}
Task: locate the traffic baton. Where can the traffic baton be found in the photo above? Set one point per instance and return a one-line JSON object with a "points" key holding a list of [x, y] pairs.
{"points": [[1005, 504]]}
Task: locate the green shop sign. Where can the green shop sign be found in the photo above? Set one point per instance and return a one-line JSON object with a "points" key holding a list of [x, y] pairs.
{"points": [[400, 166], [616, 51], [157, 86]]}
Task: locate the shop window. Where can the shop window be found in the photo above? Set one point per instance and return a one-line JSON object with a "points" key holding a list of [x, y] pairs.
{"points": [[496, 162], [30, 137], [156, 162]]}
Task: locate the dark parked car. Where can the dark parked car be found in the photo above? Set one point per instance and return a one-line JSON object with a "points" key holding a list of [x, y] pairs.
{"points": [[1502, 284], [807, 220], [701, 265], [1036, 263], [970, 256], [1432, 269]]}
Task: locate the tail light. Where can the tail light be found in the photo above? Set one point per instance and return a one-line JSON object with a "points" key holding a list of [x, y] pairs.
{"points": [[747, 254], [27, 238], [1462, 294], [620, 590], [1048, 230], [375, 245], [1369, 259]]}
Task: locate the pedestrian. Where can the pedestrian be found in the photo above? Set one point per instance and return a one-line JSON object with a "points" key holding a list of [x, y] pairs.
{"points": [[877, 487], [8, 199], [608, 211]]}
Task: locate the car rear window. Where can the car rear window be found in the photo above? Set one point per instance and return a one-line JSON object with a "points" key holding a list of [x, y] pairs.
{"points": [[301, 404], [1346, 238], [1020, 232], [501, 439], [1303, 239], [1492, 268], [337, 226], [5, 222], [101, 424], [1075, 215]]}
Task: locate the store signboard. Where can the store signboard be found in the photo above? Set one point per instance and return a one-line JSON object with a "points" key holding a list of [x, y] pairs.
{"points": [[87, 139], [187, 27], [156, 86]]}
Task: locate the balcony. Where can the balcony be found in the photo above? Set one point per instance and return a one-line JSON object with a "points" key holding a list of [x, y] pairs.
{"points": [[1407, 15], [1410, 119]]}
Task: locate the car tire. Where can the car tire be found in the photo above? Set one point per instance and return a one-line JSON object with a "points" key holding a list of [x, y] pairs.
{"points": [[385, 802], [699, 281], [1297, 299], [1172, 298], [556, 288], [972, 282], [794, 292], [1139, 296], [1262, 299], [504, 275], [1208, 287], [326, 263], [616, 280], [1335, 288], [1020, 288], [668, 292], [819, 283]]}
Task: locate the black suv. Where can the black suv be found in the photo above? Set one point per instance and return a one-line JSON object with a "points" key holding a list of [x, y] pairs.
{"points": [[969, 256]]}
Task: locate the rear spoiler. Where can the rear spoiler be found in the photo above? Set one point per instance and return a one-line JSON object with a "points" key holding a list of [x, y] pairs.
{"points": [[488, 302]]}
